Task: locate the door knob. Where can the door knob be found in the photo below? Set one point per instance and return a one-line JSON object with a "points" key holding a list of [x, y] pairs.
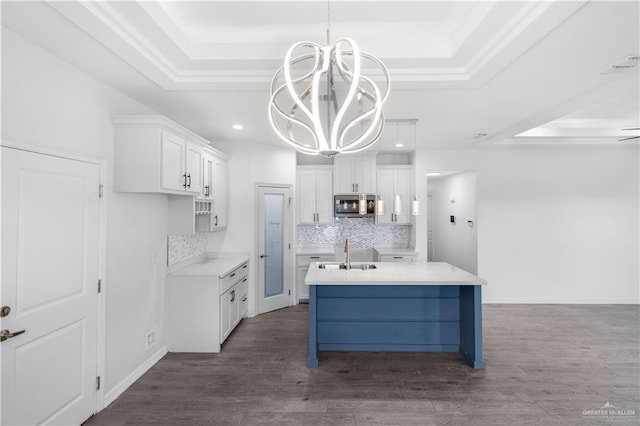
{"points": [[6, 334], [262, 256]]}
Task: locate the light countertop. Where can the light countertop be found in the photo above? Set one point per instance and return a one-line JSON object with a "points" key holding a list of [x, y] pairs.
{"points": [[218, 266], [389, 273]]}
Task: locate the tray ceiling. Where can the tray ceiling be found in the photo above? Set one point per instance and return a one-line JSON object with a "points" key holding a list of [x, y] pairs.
{"points": [[459, 68]]}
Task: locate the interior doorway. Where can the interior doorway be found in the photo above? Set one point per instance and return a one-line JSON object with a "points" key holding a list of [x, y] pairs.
{"points": [[452, 223], [274, 247], [50, 266]]}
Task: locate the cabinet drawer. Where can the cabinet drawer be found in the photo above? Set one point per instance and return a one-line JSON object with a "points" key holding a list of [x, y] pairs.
{"points": [[305, 260], [404, 258], [227, 281]]}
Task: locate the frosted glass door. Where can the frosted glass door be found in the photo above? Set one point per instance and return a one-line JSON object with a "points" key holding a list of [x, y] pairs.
{"points": [[274, 245], [274, 216]]}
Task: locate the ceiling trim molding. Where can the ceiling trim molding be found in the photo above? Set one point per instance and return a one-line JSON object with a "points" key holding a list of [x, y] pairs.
{"points": [[107, 25]]}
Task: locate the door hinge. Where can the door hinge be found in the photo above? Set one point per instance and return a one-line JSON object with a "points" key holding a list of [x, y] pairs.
{"points": [[97, 383], [99, 286], [289, 292], [100, 191]]}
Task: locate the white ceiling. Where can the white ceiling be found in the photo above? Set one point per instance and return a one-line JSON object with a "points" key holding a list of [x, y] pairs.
{"points": [[520, 72]]}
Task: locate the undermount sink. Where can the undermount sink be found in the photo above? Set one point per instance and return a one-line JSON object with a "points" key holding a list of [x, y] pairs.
{"points": [[342, 265]]}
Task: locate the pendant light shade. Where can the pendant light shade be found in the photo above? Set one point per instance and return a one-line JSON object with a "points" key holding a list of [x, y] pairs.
{"points": [[321, 101], [397, 205], [362, 204], [379, 206], [415, 206]]}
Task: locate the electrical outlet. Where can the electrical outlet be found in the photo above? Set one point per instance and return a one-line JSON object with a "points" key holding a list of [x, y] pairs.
{"points": [[151, 338]]}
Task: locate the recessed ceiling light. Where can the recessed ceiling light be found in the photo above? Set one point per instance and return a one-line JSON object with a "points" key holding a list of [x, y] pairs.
{"points": [[238, 126], [433, 173], [399, 145]]}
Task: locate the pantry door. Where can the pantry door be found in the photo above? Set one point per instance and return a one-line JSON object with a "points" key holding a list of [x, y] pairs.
{"points": [[50, 250], [274, 248]]}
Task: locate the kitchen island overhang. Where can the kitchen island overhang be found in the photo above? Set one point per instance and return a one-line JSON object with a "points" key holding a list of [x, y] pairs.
{"points": [[395, 307]]}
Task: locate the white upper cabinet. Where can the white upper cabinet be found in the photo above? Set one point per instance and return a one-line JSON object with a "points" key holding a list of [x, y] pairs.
{"points": [[395, 184], [180, 164], [355, 174], [315, 194], [220, 212], [207, 176], [154, 154]]}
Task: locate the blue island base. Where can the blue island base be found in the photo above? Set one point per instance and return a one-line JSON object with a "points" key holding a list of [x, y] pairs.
{"points": [[396, 318]]}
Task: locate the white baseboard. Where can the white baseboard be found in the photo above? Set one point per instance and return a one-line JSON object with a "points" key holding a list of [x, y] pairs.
{"points": [[114, 393]]}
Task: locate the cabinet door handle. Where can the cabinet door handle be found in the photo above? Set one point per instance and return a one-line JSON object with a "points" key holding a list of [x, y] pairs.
{"points": [[232, 275], [189, 177], [398, 257], [216, 218], [357, 187], [245, 266], [262, 256], [244, 299], [314, 257], [244, 280], [184, 180], [233, 296]]}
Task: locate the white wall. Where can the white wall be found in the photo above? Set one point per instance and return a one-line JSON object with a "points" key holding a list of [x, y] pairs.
{"points": [[50, 104], [455, 243], [554, 224], [252, 163]]}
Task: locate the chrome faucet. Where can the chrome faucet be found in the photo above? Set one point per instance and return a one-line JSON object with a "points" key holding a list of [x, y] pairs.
{"points": [[347, 259]]}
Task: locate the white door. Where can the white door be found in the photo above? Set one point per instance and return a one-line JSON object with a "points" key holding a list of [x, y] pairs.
{"points": [[386, 180], [172, 162], [194, 168], [220, 193], [307, 196], [402, 187], [274, 245], [324, 196], [50, 249]]}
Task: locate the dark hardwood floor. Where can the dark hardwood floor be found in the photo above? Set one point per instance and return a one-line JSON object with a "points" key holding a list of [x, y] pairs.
{"points": [[546, 365]]}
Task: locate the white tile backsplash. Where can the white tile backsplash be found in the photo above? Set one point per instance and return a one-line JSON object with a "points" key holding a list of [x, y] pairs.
{"points": [[363, 233], [183, 247]]}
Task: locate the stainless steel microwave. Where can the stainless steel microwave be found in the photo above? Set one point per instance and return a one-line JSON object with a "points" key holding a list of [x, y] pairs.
{"points": [[348, 205]]}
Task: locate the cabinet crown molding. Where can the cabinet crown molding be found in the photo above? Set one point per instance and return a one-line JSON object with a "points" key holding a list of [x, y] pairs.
{"points": [[162, 122]]}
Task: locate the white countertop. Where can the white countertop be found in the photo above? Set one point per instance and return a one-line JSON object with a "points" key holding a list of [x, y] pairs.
{"points": [[391, 251], [219, 266], [386, 273]]}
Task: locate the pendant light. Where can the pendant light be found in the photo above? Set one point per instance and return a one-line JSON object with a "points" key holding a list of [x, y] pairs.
{"points": [[415, 206], [379, 206], [362, 204], [321, 102], [397, 205]]}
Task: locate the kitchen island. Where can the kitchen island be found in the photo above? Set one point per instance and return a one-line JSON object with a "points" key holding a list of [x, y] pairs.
{"points": [[395, 307]]}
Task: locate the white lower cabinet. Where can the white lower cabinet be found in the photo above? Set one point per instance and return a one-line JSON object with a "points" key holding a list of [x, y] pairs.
{"points": [[203, 310], [403, 258], [302, 266], [395, 255]]}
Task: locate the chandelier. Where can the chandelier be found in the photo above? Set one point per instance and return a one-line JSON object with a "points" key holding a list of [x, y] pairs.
{"points": [[322, 103]]}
